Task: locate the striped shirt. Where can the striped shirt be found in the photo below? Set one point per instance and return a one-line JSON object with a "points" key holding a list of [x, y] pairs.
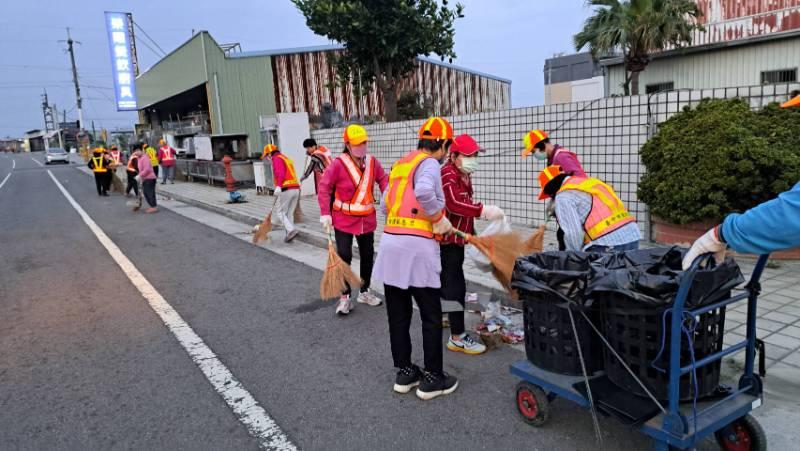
{"points": [[572, 209]]}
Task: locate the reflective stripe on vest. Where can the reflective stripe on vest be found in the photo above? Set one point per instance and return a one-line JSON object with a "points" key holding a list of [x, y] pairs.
{"points": [[131, 167], [291, 179], [362, 202], [115, 155], [405, 214], [153, 157], [608, 213], [167, 152], [99, 164]]}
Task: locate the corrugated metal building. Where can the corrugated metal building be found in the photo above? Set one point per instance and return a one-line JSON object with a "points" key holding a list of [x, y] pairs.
{"points": [[745, 43], [203, 88]]}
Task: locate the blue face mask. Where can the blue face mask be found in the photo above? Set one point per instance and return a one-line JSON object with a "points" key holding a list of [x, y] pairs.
{"points": [[540, 155]]}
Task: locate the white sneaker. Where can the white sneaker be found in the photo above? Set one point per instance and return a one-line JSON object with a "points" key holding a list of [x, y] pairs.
{"points": [[369, 298], [466, 344], [345, 305]]}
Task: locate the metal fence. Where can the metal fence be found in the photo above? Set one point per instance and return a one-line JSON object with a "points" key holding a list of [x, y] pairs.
{"points": [[606, 133]]}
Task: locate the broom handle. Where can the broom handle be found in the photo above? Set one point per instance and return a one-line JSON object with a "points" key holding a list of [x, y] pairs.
{"points": [[466, 236]]}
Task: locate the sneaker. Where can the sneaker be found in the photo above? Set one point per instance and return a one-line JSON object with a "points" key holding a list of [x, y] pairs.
{"points": [[407, 378], [369, 298], [434, 385], [151, 210], [465, 344], [345, 305], [291, 236]]}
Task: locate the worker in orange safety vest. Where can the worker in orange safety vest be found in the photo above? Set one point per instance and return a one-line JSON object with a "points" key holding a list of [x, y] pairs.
{"points": [[166, 159], [346, 205], [287, 188], [593, 217], [320, 158], [408, 260]]}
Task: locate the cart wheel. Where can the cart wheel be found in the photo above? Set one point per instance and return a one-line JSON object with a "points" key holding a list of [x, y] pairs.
{"points": [[744, 434], [532, 404]]}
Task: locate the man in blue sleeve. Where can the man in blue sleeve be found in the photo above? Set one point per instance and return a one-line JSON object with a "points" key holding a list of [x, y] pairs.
{"points": [[765, 228]]}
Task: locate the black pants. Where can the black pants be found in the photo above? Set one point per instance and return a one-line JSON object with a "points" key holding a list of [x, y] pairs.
{"points": [[399, 311], [155, 170], [107, 179], [132, 185], [100, 183], [562, 245], [454, 285], [344, 247], [149, 191]]}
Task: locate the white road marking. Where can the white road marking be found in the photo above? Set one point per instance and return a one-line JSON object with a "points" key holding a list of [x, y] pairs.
{"points": [[250, 413], [13, 164], [4, 180], [37, 161]]}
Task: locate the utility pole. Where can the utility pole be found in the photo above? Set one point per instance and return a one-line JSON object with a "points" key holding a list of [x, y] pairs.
{"points": [[59, 128], [75, 78]]}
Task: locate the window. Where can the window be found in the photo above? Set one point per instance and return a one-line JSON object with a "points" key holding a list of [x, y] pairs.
{"points": [[658, 87], [778, 76]]}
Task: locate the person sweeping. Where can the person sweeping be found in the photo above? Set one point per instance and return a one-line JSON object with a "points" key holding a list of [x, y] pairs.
{"points": [[132, 170], [320, 158], [346, 204], [461, 212], [287, 188], [408, 261], [99, 164]]}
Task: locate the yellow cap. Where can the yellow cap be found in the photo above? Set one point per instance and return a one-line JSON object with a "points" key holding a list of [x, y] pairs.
{"points": [[355, 135]]}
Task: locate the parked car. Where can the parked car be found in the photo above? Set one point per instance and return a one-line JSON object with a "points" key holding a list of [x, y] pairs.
{"points": [[56, 154]]}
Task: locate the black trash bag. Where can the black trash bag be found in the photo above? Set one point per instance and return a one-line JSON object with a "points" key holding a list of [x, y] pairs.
{"points": [[651, 277], [562, 274]]}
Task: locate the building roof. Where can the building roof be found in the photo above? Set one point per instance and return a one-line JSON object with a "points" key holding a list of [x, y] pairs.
{"points": [[617, 60], [324, 48]]}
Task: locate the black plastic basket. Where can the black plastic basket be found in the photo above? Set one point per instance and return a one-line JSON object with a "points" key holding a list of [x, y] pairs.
{"points": [[636, 335], [549, 338]]}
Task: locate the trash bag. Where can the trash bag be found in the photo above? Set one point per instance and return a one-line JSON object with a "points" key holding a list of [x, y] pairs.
{"points": [[564, 275], [494, 228], [651, 278]]}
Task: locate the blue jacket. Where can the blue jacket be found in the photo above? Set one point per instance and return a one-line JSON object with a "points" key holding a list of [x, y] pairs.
{"points": [[769, 227]]}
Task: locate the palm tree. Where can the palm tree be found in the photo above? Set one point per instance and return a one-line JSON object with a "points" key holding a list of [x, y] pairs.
{"points": [[637, 28]]}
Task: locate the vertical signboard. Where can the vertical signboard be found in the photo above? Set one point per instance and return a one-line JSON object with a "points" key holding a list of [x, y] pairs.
{"points": [[120, 44]]}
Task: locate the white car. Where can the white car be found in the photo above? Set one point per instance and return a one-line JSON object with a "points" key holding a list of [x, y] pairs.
{"points": [[56, 154]]}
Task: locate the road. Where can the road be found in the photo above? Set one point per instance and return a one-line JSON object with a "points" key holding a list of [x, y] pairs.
{"points": [[87, 363]]}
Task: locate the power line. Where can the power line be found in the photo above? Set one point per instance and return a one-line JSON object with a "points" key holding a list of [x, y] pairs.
{"points": [[148, 37]]}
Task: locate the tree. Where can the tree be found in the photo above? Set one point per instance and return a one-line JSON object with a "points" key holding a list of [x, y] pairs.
{"points": [[637, 28], [383, 38]]}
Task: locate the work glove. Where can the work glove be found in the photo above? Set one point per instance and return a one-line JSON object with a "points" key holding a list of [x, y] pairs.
{"points": [[277, 190], [550, 209], [442, 226], [327, 222], [707, 243], [492, 213]]}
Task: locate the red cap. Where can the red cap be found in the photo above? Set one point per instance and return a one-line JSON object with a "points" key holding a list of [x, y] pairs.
{"points": [[465, 145]]}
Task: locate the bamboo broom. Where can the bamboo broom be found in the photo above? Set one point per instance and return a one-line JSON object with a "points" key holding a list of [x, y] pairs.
{"points": [[298, 214], [262, 230], [337, 274], [116, 183], [502, 250], [535, 243]]}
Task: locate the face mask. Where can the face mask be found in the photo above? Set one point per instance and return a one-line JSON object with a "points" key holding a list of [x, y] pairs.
{"points": [[359, 151], [540, 155], [469, 165]]}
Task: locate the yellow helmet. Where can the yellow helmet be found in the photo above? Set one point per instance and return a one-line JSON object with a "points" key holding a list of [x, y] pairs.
{"points": [[531, 139], [355, 135]]}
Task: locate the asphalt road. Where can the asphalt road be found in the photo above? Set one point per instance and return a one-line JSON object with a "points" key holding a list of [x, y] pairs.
{"points": [[85, 363]]}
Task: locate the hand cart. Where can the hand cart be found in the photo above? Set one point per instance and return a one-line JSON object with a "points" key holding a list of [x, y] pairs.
{"points": [[673, 428]]}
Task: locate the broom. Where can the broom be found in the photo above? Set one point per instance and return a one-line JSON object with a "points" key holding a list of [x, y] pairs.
{"points": [[262, 230], [502, 250], [116, 183], [337, 272], [298, 214], [535, 243]]}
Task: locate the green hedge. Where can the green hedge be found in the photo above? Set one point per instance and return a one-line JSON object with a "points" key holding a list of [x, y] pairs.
{"points": [[718, 158]]}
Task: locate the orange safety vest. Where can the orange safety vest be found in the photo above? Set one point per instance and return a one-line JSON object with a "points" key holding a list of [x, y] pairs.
{"points": [[608, 213], [291, 179], [99, 164], [131, 167], [405, 214], [166, 151], [362, 202], [115, 155], [325, 155]]}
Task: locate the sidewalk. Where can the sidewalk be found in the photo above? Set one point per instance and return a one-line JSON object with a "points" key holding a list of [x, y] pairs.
{"points": [[778, 306]]}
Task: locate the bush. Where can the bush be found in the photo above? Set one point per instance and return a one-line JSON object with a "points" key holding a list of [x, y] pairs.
{"points": [[719, 158]]}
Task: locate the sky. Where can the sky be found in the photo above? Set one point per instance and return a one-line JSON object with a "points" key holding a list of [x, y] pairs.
{"points": [[507, 38]]}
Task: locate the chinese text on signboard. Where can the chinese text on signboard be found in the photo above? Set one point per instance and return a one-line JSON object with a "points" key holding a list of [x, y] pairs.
{"points": [[119, 42]]}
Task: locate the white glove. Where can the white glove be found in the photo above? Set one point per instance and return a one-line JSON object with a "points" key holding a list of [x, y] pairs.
{"points": [[707, 243], [327, 222], [277, 190], [550, 208], [442, 226], [492, 213]]}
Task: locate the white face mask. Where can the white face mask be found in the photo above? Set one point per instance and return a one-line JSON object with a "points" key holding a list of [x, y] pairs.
{"points": [[540, 155], [469, 165]]}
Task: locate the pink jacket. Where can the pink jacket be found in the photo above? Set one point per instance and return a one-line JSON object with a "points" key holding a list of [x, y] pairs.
{"points": [[279, 171], [568, 161], [336, 179], [146, 169]]}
